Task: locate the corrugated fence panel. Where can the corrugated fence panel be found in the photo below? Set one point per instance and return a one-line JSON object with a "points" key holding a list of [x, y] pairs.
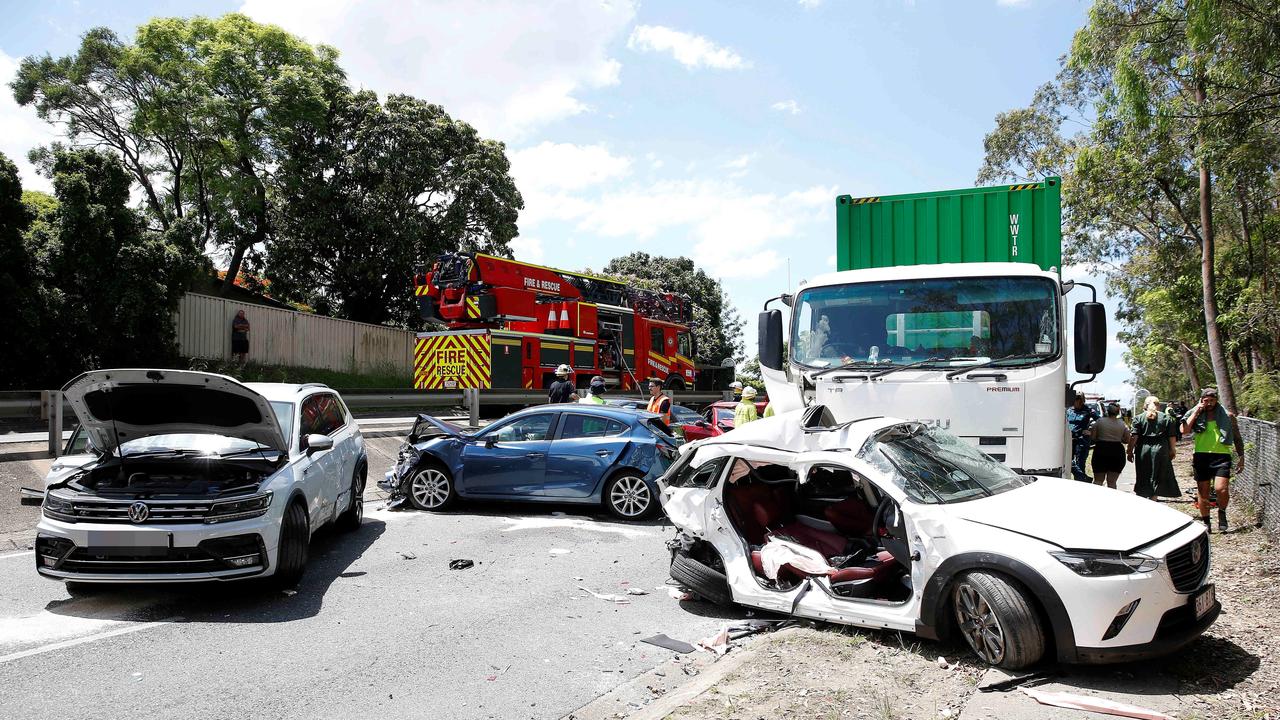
{"points": [[285, 337]]}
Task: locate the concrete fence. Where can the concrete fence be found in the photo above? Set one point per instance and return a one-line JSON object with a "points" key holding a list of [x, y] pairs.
{"points": [[286, 337], [1259, 484]]}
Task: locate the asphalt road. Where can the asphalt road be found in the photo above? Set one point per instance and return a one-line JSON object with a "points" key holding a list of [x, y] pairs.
{"points": [[379, 627]]}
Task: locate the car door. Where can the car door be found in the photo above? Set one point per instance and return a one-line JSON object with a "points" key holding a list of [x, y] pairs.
{"points": [[585, 447], [318, 469], [510, 458], [687, 493], [341, 427]]}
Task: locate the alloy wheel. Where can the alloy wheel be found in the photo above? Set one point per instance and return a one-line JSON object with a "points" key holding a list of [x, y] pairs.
{"points": [[357, 497], [430, 488], [629, 496], [979, 624]]}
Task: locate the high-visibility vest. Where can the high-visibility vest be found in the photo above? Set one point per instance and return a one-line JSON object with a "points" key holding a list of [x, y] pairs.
{"points": [[655, 406]]}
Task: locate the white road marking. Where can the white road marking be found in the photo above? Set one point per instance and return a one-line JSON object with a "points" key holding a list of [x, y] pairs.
{"points": [[20, 553], [572, 523], [131, 628]]}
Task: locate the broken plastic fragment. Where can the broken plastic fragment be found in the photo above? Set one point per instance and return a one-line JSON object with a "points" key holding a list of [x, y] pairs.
{"points": [[408, 555], [1094, 704], [615, 599], [679, 594], [637, 591], [718, 643], [461, 564]]}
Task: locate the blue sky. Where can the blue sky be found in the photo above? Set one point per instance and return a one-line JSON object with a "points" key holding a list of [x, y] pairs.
{"points": [[718, 130]]}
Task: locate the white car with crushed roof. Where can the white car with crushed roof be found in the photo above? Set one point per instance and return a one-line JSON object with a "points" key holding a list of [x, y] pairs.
{"points": [[199, 477], [882, 523]]}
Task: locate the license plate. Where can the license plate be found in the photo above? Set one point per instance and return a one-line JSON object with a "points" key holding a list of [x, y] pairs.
{"points": [[128, 539], [1203, 601]]}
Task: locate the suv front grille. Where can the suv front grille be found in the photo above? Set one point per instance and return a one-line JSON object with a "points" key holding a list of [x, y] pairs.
{"points": [[158, 511], [1186, 572]]}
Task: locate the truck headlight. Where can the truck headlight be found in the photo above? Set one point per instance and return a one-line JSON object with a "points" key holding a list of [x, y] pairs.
{"points": [[1104, 564], [239, 509]]}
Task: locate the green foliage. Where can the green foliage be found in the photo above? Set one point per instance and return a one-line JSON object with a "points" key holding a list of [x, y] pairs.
{"points": [[21, 309], [105, 286], [717, 326], [1161, 90], [384, 189], [1260, 395]]}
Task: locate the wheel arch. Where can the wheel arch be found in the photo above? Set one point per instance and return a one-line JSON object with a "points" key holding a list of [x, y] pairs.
{"points": [[618, 470], [935, 620]]}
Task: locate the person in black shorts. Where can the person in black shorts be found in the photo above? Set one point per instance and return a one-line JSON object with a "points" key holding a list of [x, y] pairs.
{"points": [[1110, 436], [1215, 434]]}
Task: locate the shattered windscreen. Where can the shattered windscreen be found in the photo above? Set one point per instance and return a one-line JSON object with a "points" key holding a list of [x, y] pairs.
{"points": [[933, 466]]}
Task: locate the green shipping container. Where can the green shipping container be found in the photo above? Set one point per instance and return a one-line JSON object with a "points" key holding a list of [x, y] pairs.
{"points": [[1008, 223]]}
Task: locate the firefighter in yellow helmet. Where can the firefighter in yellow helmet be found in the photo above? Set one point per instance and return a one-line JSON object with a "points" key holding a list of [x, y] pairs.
{"points": [[746, 410]]}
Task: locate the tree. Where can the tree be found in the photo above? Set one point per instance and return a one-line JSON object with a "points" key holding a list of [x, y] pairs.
{"points": [[106, 285], [21, 311], [197, 110], [1171, 182], [717, 326], [382, 189]]}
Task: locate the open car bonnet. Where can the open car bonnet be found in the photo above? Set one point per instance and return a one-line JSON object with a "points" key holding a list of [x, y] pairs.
{"points": [[427, 427], [116, 406]]}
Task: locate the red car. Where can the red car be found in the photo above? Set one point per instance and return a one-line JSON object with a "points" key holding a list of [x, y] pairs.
{"points": [[717, 419]]}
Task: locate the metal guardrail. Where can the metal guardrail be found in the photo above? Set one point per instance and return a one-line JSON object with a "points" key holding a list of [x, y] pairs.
{"points": [[50, 406]]}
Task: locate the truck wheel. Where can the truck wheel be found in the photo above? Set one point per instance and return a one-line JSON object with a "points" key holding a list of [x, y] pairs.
{"points": [[703, 579], [350, 519], [430, 487], [294, 543], [998, 620], [674, 383]]}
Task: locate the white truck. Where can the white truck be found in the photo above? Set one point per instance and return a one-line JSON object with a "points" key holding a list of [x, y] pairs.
{"points": [[946, 315]]}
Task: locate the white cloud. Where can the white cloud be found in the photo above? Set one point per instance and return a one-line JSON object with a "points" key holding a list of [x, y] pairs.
{"points": [[566, 166], [528, 249], [505, 66], [809, 4], [21, 130], [740, 162], [786, 106], [692, 51]]}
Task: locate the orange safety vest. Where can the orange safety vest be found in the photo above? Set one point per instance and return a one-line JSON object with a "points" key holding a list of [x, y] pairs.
{"points": [[655, 406]]}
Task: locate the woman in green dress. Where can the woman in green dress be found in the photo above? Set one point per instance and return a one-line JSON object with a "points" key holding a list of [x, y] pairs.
{"points": [[1154, 437]]}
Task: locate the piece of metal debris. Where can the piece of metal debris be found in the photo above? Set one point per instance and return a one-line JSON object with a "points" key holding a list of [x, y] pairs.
{"points": [[1094, 704], [461, 564], [672, 644]]}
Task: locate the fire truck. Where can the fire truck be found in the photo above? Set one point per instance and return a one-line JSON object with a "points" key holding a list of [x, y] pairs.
{"points": [[511, 324]]}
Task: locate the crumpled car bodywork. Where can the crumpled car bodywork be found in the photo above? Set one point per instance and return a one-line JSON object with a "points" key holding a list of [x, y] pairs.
{"points": [[883, 523], [573, 454]]}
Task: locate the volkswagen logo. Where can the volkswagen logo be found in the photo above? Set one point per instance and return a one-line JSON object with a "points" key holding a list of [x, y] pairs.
{"points": [[1196, 553], [139, 512]]}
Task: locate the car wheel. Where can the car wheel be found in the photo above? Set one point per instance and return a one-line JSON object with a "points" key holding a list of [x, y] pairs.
{"points": [[350, 519], [701, 578], [430, 488], [294, 543], [627, 496], [998, 620]]}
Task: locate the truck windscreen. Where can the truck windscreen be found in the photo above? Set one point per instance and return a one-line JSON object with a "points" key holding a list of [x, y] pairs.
{"points": [[904, 321]]}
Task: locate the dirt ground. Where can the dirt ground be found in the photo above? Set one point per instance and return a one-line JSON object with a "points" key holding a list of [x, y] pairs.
{"points": [[839, 672], [1234, 670]]}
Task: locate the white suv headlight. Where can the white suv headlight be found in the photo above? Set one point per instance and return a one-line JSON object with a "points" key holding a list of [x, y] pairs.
{"points": [[1102, 564], [239, 509]]}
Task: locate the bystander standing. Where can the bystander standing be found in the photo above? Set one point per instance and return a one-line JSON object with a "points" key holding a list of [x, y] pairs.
{"points": [[1151, 450]]}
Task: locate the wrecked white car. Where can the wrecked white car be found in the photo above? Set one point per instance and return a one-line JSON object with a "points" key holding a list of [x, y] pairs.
{"points": [[199, 477], [888, 524]]}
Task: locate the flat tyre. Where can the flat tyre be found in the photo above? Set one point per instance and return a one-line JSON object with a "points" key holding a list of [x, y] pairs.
{"points": [[708, 582]]}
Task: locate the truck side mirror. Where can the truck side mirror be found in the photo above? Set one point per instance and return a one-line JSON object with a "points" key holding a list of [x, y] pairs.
{"points": [[769, 338], [1090, 338]]}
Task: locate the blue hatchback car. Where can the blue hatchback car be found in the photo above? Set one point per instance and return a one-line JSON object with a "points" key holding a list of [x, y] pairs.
{"points": [[589, 454]]}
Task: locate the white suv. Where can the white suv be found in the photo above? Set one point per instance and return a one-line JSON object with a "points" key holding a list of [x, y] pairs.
{"points": [[889, 524], [200, 477]]}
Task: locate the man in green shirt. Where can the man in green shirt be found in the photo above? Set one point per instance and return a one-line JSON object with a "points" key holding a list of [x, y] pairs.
{"points": [[1215, 434]]}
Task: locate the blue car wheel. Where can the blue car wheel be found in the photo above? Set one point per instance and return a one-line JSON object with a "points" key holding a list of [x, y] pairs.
{"points": [[627, 496], [430, 487]]}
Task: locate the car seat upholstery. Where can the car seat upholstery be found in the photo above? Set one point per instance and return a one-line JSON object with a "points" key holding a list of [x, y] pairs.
{"points": [[763, 510]]}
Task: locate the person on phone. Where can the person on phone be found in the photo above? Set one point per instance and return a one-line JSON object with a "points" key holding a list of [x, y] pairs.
{"points": [[1215, 433], [1151, 450]]}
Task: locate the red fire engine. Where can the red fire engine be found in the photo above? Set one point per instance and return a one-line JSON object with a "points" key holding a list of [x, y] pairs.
{"points": [[510, 324]]}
